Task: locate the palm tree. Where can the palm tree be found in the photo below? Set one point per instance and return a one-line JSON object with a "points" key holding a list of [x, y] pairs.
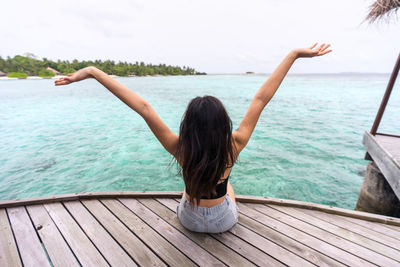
{"points": [[382, 8]]}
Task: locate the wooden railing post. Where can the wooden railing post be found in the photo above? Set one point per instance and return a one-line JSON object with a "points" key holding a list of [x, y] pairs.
{"points": [[385, 98]]}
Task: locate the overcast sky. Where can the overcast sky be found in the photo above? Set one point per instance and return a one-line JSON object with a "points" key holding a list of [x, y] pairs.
{"points": [[224, 36]]}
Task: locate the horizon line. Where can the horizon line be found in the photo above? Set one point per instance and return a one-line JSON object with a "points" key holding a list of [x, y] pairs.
{"points": [[301, 73]]}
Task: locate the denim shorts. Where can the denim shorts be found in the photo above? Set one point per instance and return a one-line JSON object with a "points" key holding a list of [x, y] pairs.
{"points": [[217, 219]]}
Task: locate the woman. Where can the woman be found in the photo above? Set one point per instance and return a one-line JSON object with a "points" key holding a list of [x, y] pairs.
{"points": [[206, 148]]}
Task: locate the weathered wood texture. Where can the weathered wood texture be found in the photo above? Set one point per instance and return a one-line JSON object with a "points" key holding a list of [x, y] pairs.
{"points": [[87, 195], [391, 144], [169, 194], [145, 231], [58, 251], [385, 151], [8, 248], [30, 248]]}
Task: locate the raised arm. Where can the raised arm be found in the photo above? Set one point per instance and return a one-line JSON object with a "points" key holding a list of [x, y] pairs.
{"points": [[167, 138], [267, 91]]}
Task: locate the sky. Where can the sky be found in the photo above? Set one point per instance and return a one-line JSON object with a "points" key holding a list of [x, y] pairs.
{"points": [[224, 36]]}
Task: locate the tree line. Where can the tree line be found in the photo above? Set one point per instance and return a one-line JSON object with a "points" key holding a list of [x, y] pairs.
{"points": [[33, 67]]}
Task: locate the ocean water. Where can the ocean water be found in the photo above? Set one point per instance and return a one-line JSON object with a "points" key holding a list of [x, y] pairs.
{"points": [[78, 138]]}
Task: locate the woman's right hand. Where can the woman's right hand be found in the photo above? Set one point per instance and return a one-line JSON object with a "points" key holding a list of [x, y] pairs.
{"points": [[76, 76], [313, 51]]}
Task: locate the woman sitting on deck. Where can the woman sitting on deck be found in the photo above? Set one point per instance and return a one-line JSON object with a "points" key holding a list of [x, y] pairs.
{"points": [[206, 148]]}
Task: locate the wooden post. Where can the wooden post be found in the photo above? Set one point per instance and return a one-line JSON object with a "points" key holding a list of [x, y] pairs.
{"points": [[385, 98]]}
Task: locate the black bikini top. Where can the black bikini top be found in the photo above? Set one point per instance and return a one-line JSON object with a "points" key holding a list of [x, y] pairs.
{"points": [[220, 189]]}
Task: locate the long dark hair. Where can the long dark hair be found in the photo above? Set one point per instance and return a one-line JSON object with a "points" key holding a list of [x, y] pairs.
{"points": [[205, 147]]}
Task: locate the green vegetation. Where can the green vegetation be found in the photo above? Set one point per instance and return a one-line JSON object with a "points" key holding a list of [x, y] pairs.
{"points": [[22, 75], [46, 73], [33, 67]]}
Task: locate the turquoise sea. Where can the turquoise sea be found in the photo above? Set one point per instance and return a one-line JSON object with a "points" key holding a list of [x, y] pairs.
{"points": [[306, 146]]}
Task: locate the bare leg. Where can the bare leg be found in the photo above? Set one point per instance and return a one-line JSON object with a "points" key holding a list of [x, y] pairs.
{"points": [[230, 191]]}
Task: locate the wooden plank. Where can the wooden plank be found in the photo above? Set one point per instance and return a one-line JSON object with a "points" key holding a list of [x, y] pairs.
{"points": [[365, 247], [389, 230], [180, 241], [355, 228], [259, 240], [88, 195], [298, 251], [288, 216], [391, 144], [313, 206], [84, 250], [8, 249], [305, 238], [156, 242], [107, 246], [30, 248], [256, 254], [169, 194], [142, 255], [393, 227], [323, 222], [224, 249], [58, 251]]}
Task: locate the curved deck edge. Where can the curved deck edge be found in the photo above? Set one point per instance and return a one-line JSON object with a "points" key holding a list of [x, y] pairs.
{"points": [[177, 194], [89, 195], [320, 207]]}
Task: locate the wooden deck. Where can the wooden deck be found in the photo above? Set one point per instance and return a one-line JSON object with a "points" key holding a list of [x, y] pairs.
{"points": [[140, 228], [385, 152]]}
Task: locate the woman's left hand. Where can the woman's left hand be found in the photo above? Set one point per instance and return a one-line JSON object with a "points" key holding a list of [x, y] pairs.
{"points": [[76, 76]]}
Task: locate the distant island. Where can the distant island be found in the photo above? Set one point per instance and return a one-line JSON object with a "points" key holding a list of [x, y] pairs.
{"points": [[249, 72], [24, 66]]}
